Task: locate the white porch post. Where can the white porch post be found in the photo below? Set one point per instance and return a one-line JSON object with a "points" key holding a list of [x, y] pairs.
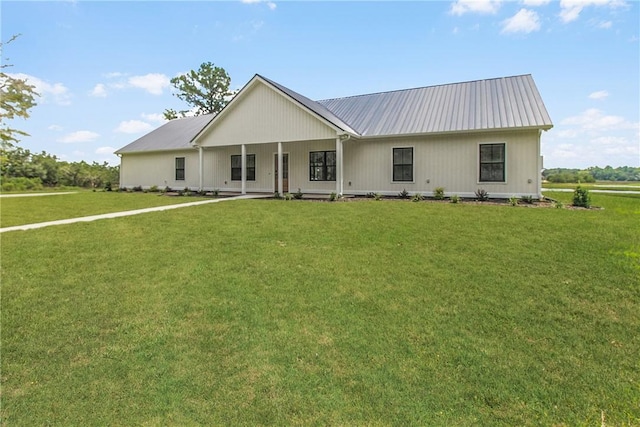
{"points": [[339, 181], [243, 168], [200, 167], [280, 166]]}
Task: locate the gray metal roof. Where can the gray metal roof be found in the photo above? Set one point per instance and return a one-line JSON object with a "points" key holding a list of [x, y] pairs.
{"points": [[507, 102], [501, 103], [314, 106], [174, 135]]}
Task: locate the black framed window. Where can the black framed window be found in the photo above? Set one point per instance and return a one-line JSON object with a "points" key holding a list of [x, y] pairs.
{"points": [[492, 161], [403, 164], [236, 167], [322, 166], [179, 168]]}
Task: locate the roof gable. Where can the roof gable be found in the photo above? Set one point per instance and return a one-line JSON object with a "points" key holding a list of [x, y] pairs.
{"points": [[264, 111]]}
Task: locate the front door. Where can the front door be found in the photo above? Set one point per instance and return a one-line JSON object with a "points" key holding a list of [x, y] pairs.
{"points": [[285, 173]]}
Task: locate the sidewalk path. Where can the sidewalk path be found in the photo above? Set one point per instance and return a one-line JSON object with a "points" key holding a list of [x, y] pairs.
{"points": [[37, 194], [128, 213]]}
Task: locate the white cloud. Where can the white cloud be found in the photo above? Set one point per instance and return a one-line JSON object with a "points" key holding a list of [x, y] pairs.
{"points": [[78, 136], [99, 91], [604, 25], [56, 128], [154, 83], [595, 120], [601, 94], [570, 9], [460, 7], [153, 117], [535, 3], [114, 75], [56, 91], [105, 150], [133, 126], [525, 21], [271, 5]]}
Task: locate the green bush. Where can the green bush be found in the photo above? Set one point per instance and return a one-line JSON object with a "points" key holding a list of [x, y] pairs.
{"points": [[297, 195], [333, 196], [21, 184], [581, 197], [377, 196], [417, 197], [404, 194], [288, 196], [455, 199], [371, 195], [513, 201], [154, 189], [438, 193]]}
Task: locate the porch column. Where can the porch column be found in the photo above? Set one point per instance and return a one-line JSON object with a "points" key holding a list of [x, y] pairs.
{"points": [[243, 169], [280, 166], [200, 167], [339, 183]]}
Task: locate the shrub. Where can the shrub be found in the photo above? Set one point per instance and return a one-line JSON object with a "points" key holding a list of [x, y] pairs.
{"points": [[513, 200], [377, 196], [371, 195], [404, 194], [333, 196], [438, 193], [581, 197], [417, 197], [455, 199], [297, 195], [167, 189], [137, 188], [153, 189], [276, 195], [107, 186], [215, 192], [21, 184], [482, 195], [526, 199], [288, 196], [558, 204]]}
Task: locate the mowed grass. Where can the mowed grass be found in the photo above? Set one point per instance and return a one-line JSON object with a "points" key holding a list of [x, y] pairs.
{"points": [[266, 312], [29, 210]]}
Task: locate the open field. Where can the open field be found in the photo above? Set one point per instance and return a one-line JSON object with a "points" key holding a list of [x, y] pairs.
{"points": [[268, 312], [600, 185], [28, 210]]}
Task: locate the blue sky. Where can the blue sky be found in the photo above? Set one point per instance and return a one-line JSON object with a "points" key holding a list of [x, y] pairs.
{"points": [[103, 68]]}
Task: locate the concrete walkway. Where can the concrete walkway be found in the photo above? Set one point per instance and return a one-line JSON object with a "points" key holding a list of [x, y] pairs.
{"points": [[128, 213], [37, 194]]}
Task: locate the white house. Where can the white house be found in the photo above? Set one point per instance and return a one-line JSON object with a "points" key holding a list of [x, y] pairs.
{"points": [[463, 137]]}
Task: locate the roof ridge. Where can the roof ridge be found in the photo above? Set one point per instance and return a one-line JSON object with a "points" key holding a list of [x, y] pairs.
{"points": [[421, 87]]}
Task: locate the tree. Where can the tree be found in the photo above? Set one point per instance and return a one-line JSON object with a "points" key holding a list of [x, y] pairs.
{"points": [[206, 90], [16, 98]]}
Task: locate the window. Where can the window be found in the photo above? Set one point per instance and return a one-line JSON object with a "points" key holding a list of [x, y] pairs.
{"points": [[403, 164], [179, 168], [322, 166], [492, 162], [236, 167]]}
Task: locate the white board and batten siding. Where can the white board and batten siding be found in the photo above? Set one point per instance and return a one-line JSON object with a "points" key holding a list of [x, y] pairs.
{"points": [[264, 116], [158, 168], [449, 161]]}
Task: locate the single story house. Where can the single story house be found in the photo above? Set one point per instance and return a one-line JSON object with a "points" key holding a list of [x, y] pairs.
{"points": [[482, 134]]}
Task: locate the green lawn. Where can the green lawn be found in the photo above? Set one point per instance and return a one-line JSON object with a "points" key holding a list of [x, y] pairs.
{"points": [[268, 312], [28, 210], [600, 185]]}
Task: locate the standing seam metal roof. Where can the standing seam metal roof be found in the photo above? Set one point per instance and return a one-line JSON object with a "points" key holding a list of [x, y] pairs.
{"points": [[173, 135], [500, 103], [507, 102]]}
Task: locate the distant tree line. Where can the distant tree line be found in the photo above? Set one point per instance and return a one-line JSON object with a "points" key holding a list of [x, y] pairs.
{"points": [[592, 174], [23, 170]]}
